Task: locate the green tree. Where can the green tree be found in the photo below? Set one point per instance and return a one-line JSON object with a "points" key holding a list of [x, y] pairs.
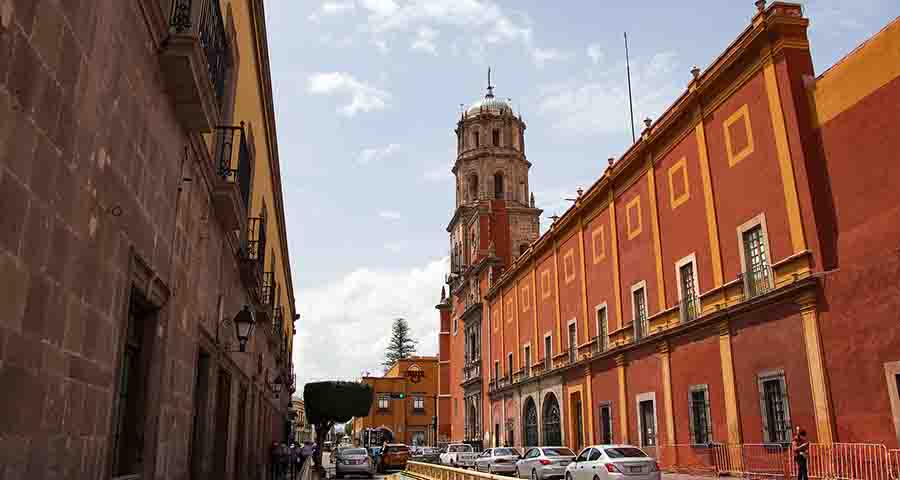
{"points": [[402, 344], [329, 403]]}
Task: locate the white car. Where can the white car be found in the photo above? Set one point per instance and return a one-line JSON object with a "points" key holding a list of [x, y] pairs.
{"points": [[613, 462], [458, 455]]}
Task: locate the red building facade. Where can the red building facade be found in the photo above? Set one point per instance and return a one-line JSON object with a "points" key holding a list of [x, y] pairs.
{"points": [[732, 276]]}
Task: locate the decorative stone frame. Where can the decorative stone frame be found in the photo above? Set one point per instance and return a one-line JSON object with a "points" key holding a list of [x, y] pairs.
{"points": [[643, 397], [679, 166], [741, 114]]}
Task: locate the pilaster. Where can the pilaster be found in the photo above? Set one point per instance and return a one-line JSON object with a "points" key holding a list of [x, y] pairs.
{"points": [[815, 360], [731, 410], [621, 362], [665, 369]]}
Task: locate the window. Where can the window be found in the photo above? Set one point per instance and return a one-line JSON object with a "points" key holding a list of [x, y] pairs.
{"points": [[548, 351], [701, 426], [201, 393], [606, 425], [496, 370], [689, 308], [419, 403], [522, 248], [509, 364], [757, 279], [776, 415], [476, 137], [602, 329], [455, 325], [595, 455], [498, 186], [495, 137], [473, 186], [527, 368], [573, 341], [128, 445], [584, 455], [384, 402], [639, 306]]}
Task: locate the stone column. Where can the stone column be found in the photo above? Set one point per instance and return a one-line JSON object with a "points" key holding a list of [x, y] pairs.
{"points": [[816, 362]]}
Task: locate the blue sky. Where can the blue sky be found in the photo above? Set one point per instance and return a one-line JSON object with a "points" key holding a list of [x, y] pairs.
{"points": [[367, 94]]}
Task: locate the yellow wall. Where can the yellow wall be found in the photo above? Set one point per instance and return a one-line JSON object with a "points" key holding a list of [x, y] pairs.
{"points": [[251, 98], [870, 67]]}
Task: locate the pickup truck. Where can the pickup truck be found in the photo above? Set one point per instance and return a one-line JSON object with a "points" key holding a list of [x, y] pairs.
{"points": [[458, 455]]}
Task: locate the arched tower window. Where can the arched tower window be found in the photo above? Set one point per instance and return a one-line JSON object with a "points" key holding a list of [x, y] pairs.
{"points": [[522, 248], [495, 137], [473, 185], [475, 138], [498, 185]]}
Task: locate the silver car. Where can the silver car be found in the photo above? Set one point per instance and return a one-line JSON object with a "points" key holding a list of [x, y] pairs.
{"points": [[613, 462], [350, 461], [497, 460], [543, 463]]}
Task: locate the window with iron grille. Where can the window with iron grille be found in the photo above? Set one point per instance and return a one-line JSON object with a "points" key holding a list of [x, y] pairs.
{"points": [[419, 403], [548, 351], [606, 424], [701, 427], [573, 341], [509, 365], [640, 313], [689, 302], [602, 329], [496, 370], [129, 402], [527, 367], [775, 408], [758, 280], [383, 402]]}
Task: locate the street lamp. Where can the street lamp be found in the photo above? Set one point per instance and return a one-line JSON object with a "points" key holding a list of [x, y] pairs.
{"points": [[244, 321]]}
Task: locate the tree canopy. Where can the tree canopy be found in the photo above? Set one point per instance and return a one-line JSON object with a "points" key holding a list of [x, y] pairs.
{"points": [[401, 345], [334, 402]]}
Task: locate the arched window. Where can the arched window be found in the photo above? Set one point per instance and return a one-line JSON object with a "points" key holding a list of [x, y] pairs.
{"points": [[495, 137], [530, 423], [552, 432], [476, 139], [473, 187], [498, 185]]}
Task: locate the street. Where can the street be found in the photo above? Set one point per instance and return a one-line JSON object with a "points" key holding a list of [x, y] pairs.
{"points": [[329, 469]]}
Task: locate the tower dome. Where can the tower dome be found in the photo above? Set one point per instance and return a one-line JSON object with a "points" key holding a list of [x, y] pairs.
{"points": [[489, 104]]}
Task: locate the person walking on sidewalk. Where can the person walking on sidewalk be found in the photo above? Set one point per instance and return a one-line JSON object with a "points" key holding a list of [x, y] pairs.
{"points": [[800, 446]]}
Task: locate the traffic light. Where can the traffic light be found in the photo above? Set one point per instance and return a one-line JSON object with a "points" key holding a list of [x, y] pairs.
{"points": [[399, 396]]}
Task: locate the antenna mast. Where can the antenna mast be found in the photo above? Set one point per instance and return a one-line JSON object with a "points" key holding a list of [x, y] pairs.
{"points": [[628, 73]]}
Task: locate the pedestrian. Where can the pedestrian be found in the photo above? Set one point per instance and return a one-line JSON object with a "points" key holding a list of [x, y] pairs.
{"points": [[273, 460], [284, 454], [800, 446]]}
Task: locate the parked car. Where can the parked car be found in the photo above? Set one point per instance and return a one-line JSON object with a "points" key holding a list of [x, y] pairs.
{"points": [[613, 462], [353, 461], [497, 460], [543, 463], [395, 455], [459, 455], [430, 455]]}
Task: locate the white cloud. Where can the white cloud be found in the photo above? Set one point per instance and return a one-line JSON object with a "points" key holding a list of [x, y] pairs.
{"points": [[599, 104], [376, 154], [595, 51], [345, 325], [330, 9], [363, 97], [425, 40], [543, 55], [390, 215]]}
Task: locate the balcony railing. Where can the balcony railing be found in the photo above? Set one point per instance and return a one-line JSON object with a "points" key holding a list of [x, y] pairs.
{"points": [[599, 345], [196, 58], [472, 370], [689, 309], [573, 354], [240, 173], [275, 327], [757, 281]]}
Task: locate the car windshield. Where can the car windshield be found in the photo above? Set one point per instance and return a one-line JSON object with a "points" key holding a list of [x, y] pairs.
{"points": [[624, 452], [501, 452], [558, 452], [353, 451]]}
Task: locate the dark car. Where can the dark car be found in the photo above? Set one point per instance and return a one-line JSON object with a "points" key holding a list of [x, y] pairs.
{"points": [[394, 456]]}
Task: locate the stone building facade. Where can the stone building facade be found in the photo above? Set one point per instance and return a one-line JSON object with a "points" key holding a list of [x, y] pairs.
{"points": [[140, 184], [730, 277], [412, 418]]}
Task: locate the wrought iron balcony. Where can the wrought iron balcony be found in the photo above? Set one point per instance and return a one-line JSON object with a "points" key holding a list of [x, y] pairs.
{"points": [[268, 293], [252, 255], [689, 309], [757, 280], [231, 192], [599, 345], [472, 371], [275, 327], [195, 58]]}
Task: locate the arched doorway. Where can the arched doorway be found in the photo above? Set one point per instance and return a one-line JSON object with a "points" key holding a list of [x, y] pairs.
{"points": [[552, 431], [530, 423]]}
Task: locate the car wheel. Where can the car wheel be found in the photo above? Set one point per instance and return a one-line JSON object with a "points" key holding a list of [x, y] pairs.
{"points": [[534, 475], [568, 476], [491, 469]]}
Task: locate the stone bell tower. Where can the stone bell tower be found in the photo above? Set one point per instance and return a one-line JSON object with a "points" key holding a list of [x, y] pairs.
{"points": [[495, 213]]}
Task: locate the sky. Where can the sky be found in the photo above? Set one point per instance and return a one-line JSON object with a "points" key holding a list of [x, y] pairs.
{"points": [[367, 95]]}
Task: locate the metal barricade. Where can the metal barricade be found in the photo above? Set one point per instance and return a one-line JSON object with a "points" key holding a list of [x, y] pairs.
{"points": [[692, 459], [727, 459], [764, 460], [847, 461], [894, 460]]}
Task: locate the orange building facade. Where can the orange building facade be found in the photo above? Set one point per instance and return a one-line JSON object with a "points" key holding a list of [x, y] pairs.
{"points": [[732, 276], [412, 418]]}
